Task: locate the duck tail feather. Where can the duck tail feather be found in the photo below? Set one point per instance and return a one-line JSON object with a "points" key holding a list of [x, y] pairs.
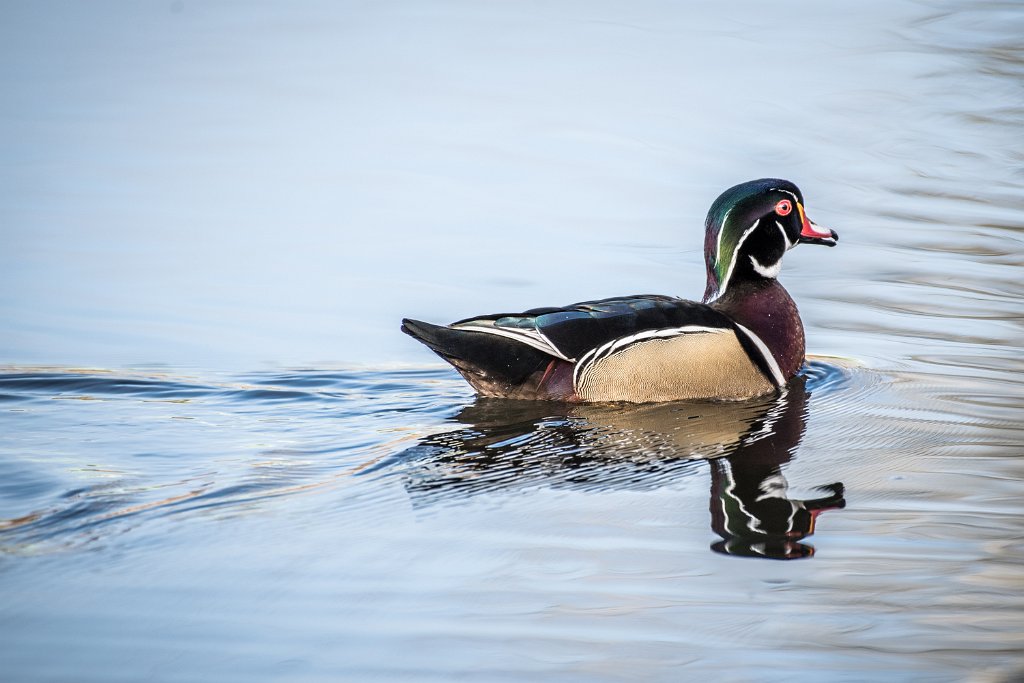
{"points": [[493, 365]]}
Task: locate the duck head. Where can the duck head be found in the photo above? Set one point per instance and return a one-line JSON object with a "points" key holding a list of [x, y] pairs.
{"points": [[750, 227]]}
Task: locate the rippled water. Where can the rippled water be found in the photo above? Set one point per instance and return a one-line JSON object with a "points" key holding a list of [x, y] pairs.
{"points": [[220, 460]]}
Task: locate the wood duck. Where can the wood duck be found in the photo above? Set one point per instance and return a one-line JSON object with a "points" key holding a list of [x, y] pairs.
{"points": [[744, 339]]}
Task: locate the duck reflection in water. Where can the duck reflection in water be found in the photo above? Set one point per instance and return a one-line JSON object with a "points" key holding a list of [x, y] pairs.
{"points": [[511, 444], [750, 508]]}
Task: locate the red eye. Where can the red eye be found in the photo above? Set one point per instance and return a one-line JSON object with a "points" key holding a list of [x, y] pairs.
{"points": [[784, 207]]}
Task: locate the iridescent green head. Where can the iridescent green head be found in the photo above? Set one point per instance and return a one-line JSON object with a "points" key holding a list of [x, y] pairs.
{"points": [[750, 227]]}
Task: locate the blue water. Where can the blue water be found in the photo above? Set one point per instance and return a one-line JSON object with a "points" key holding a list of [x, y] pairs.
{"points": [[220, 459]]}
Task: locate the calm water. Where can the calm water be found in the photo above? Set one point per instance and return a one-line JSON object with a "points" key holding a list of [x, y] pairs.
{"points": [[220, 460]]}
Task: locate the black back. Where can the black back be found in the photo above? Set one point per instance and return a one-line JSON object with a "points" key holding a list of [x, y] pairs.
{"points": [[578, 328]]}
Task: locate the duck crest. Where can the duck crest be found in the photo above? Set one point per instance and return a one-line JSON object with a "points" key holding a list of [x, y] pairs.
{"points": [[744, 231]]}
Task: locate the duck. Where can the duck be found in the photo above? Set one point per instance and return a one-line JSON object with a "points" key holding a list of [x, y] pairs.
{"points": [[744, 339]]}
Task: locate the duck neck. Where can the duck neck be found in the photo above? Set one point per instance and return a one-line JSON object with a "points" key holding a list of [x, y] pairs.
{"points": [[764, 307]]}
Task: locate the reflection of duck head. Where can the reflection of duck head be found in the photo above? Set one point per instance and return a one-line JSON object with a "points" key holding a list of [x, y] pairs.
{"points": [[749, 506], [521, 444]]}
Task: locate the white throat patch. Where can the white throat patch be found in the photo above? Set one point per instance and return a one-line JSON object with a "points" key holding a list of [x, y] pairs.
{"points": [[771, 271], [785, 237]]}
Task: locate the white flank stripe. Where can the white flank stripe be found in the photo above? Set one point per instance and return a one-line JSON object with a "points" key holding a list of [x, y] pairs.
{"points": [[780, 380], [608, 348], [617, 344]]}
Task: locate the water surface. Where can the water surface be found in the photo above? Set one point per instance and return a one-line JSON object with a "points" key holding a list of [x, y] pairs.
{"points": [[220, 460]]}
